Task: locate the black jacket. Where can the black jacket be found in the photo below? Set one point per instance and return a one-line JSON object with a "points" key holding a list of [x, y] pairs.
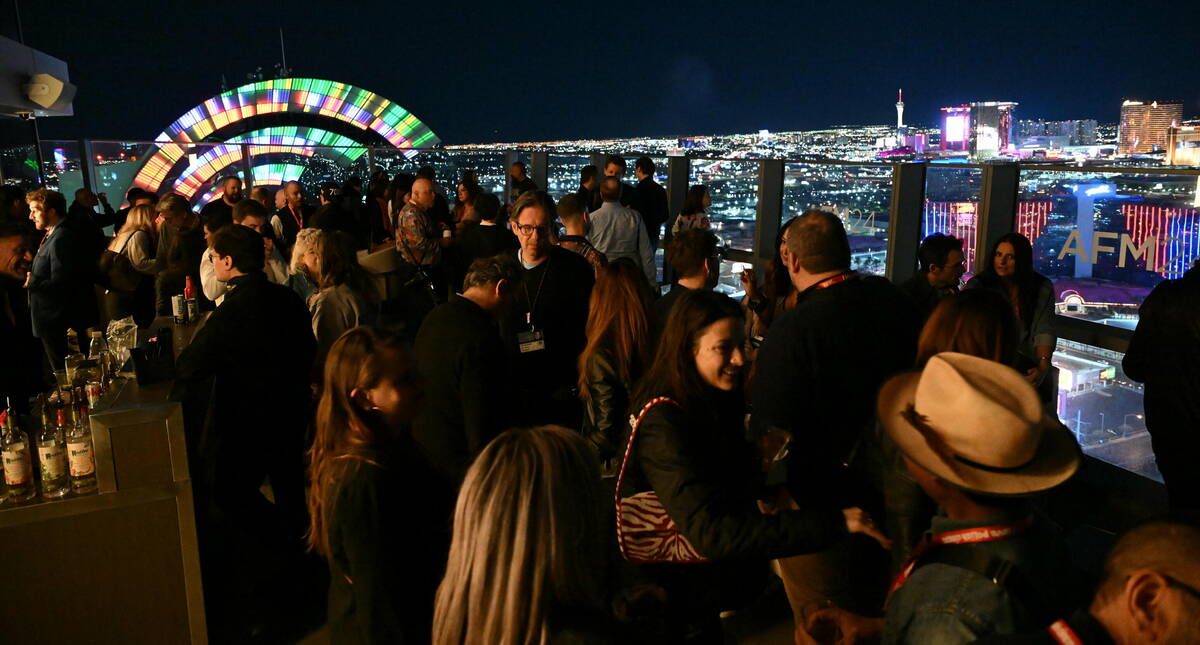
{"points": [[22, 376], [1164, 353], [461, 362], [818, 373], [650, 200], [60, 284], [485, 241], [605, 417], [255, 355], [389, 534], [180, 251], [559, 289], [707, 477], [923, 295], [288, 224]]}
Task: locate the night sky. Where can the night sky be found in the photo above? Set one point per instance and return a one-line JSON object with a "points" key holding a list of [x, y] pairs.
{"points": [[513, 71]]}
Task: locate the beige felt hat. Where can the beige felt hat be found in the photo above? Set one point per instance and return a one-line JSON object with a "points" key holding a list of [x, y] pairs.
{"points": [[978, 425]]}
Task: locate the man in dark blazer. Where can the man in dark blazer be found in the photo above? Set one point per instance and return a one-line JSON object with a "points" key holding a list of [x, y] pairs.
{"points": [[255, 355], [61, 295], [462, 364], [649, 199]]}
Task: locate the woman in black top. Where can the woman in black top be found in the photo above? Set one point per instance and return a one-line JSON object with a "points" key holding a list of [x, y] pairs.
{"points": [[693, 456], [374, 513], [1009, 271]]}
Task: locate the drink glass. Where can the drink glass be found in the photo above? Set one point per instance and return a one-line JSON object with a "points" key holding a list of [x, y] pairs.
{"points": [[62, 377]]}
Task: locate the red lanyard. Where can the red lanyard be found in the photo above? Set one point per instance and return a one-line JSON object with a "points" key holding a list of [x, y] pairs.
{"points": [[974, 535], [299, 221], [829, 282], [1061, 632]]}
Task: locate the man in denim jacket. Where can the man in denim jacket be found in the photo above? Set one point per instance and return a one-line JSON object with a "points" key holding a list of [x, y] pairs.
{"points": [[976, 439]]}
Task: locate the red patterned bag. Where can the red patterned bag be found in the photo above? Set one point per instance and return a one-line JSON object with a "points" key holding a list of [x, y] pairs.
{"points": [[644, 530]]}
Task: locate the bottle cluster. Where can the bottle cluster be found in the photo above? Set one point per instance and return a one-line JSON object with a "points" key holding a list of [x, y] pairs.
{"points": [[58, 460]]}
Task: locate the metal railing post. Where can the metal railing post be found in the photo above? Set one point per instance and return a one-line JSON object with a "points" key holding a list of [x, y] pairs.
{"points": [[510, 158], [247, 168], [997, 207], [905, 222], [769, 212], [370, 161], [86, 158], [678, 176], [539, 169], [597, 159]]}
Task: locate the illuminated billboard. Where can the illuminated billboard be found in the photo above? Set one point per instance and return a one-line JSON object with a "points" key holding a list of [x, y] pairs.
{"points": [[956, 127]]}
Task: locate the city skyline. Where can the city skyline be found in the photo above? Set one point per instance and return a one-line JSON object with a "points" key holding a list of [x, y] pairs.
{"points": [[519, 72]]}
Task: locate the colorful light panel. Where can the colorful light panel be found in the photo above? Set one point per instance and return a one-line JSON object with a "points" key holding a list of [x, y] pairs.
{"points": [[269, 174], [360, 108]]}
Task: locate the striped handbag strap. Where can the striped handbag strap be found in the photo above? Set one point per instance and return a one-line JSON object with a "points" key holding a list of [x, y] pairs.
{"points": [[634, 423]]}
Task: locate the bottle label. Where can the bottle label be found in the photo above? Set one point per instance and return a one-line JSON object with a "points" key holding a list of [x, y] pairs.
{"points": [[82, 461], [16, 465], [53, 460]]}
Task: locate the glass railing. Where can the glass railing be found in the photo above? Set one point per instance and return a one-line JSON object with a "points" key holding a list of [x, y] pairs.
{"points": [[860, 195], [1103, 407], [562, 174], [733, 188], [952, 206], [1106, 238]]}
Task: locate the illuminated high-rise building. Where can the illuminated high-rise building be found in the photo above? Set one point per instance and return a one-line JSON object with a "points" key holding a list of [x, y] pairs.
{"points": [[1144, 126], [900, 111], [991, 128], [956, 127]]}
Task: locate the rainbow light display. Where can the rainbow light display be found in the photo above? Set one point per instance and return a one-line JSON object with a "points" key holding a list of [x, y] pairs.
{"points": [[1174, 229], [287, 139], [360, 108]]}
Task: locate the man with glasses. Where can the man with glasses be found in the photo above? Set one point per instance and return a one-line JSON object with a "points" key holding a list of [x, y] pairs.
{"points": [[1149, 593], [942, 266], [544, 330]]}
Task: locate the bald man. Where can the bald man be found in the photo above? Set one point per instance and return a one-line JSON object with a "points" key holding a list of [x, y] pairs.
{"points": [[291, 217], [1150, 593]]}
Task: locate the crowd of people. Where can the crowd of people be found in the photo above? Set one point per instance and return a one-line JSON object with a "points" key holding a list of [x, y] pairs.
{"points": [[489, 427]]}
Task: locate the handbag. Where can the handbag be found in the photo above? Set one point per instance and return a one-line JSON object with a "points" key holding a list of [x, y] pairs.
{"points": [[116, 272], [645, 532]]}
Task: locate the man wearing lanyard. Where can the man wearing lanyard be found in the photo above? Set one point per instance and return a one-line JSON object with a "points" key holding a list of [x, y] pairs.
{"points": [[976, 439], [817, 373], [1150, 592], [545, 328]]}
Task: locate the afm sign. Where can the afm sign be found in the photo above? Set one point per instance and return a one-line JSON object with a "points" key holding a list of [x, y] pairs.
{"points": [[1128, 249]]}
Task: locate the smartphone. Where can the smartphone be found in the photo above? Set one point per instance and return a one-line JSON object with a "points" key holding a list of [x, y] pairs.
{"points": [[738, 267]]}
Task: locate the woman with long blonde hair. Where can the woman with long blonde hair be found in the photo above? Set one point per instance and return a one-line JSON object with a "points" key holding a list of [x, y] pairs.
{"points": [[618, 350], [373, 513], [527, 554], [136, 243]]}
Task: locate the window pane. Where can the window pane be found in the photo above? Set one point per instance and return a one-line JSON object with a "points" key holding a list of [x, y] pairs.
{"points": [[115, 165], [952, 206], [860, 195], [18, 165], [1106, 239], [1103, 407], [733, 186], [562, 174]]}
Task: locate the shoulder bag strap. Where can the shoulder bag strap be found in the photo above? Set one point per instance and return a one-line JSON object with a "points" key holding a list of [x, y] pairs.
{"points": [[634, 423]]}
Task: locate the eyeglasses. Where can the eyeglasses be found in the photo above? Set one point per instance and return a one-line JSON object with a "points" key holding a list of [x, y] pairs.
{"points": [[1186, 588], [529, 230]]}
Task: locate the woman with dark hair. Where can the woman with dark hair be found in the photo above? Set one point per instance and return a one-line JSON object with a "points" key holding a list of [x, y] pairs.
{"points": [[1030, 296], [464, 206], [527, 558], [618, 350], [774, 297], [345, 297], [690, 451], [693, 214], [372, 513]]}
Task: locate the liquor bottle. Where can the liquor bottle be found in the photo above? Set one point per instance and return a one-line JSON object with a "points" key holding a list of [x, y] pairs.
{"points": [[80, 453], [18, 463], [189, 300], [98, 351], [52, 459]]}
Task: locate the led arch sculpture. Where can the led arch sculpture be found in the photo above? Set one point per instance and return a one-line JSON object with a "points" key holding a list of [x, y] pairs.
{"points": [[352, 105]]}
